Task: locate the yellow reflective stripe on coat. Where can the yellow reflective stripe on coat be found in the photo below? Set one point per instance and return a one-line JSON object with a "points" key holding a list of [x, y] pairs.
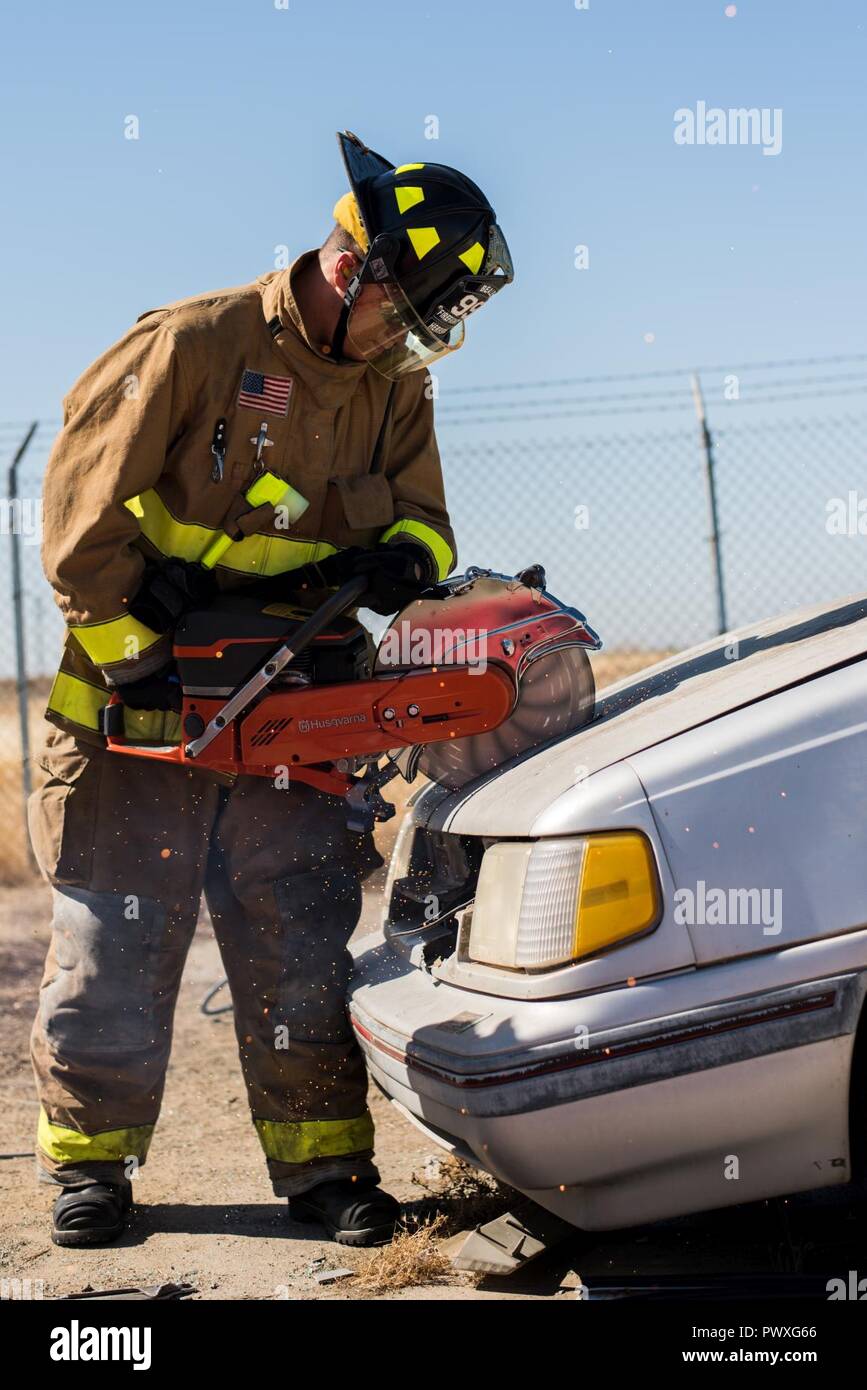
{"points": [[267, 488], [181, 539], [439, 548], [82, 703], [270, 555], [297, 1141], [119, 639], [112, 1145], [256, 554], [77, 700]]}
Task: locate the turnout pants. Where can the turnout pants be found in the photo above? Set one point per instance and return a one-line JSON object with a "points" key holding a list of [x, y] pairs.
{"points": [[129, 846]]}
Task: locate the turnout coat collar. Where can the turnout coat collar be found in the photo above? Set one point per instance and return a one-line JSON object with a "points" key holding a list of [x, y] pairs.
{"points": [[331, 383]]}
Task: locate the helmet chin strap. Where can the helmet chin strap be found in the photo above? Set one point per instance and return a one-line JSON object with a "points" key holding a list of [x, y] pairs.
{"points": [[339, 337], [385, 246]]}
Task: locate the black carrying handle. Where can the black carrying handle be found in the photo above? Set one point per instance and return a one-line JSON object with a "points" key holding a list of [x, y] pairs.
{"points": [[336, 604]]}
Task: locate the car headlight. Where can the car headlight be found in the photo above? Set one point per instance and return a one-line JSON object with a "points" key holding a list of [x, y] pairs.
{"points": [[548, 902]]}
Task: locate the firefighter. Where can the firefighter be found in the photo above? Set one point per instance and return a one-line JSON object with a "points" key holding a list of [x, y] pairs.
{"points": [[315, 376]]}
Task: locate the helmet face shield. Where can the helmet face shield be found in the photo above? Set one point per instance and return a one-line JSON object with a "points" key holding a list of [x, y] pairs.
{"points": [[385, 331], [385, 328]]}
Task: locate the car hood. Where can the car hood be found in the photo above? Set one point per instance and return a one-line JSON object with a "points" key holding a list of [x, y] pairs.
{"points": [[659, 703]]}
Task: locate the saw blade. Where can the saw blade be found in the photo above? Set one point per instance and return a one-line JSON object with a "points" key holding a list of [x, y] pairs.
{"points": [[556, 696]]}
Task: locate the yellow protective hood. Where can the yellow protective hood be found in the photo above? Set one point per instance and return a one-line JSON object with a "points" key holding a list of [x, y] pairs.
{"points": [[347, 216]]}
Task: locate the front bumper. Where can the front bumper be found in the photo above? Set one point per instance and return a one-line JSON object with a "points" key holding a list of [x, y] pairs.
{"points": [[617, 1107]]}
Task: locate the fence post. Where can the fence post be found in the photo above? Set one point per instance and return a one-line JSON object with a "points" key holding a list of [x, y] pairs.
{"points": [[18, 610], [713, 513]]}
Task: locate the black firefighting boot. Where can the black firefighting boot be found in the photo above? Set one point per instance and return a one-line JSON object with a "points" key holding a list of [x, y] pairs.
{"points": [[353, 1213], [92, 1214]]}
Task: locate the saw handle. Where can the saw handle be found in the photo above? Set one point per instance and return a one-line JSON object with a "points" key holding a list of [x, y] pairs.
{"points": [[337, 603]]}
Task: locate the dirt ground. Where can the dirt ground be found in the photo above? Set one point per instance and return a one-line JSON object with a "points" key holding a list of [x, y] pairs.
{"points": [[205, 1212]]}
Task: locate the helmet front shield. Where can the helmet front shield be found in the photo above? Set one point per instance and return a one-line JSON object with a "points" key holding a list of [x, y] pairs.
{"points": [[386, 328], [470, 292]]}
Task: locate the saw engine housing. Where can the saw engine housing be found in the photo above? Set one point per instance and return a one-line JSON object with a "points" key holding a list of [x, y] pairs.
{"points": [[263, 694]]}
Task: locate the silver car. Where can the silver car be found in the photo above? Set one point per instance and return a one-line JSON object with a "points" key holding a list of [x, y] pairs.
{"points": [[625, 974]]}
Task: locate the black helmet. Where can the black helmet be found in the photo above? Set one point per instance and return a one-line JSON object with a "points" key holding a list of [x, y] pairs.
{"points": [[433, 251]]}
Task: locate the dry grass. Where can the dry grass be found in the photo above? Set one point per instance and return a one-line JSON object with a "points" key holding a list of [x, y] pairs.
{"points": [[412, 1258], [458, 1195], [15, 864]]}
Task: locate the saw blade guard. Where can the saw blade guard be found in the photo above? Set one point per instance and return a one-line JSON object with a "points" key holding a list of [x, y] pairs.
{"points": [[512, 622]]}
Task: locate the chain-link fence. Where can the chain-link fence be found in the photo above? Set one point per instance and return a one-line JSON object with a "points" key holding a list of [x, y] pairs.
{"points": [[621, 521]]}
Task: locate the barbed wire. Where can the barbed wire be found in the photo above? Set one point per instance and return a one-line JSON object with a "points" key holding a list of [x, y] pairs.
{"points": [[682, 393], [443, 420], [676, 399], [649, 374]]}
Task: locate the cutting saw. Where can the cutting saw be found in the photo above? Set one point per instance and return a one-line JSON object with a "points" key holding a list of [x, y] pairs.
{"points": [[482, 668]]}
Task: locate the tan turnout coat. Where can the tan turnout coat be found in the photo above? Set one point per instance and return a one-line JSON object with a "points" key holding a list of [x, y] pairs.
{"points": [[130, 475]]}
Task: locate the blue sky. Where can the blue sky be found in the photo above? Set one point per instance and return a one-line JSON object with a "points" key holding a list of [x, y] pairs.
{"points": [[565, 116]]}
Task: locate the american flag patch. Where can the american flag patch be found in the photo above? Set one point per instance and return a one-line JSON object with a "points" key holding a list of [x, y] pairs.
{"points": [[261, 392]]}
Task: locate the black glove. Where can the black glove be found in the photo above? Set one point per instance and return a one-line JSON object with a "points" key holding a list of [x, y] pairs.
{"points": [[329, 573], [160, 690], [170, 590], [396, 575]]}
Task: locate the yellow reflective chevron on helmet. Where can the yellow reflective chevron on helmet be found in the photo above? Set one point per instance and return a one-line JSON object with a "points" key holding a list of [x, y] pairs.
{"points": [[473, 257], [408, 196], [405, 168], [423, 239]]}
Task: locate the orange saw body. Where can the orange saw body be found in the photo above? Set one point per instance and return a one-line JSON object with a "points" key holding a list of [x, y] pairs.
{"points": [[276, 691]]}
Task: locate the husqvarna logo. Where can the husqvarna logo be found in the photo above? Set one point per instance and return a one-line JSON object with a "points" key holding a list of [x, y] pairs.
{"points": [[338, 721]]}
